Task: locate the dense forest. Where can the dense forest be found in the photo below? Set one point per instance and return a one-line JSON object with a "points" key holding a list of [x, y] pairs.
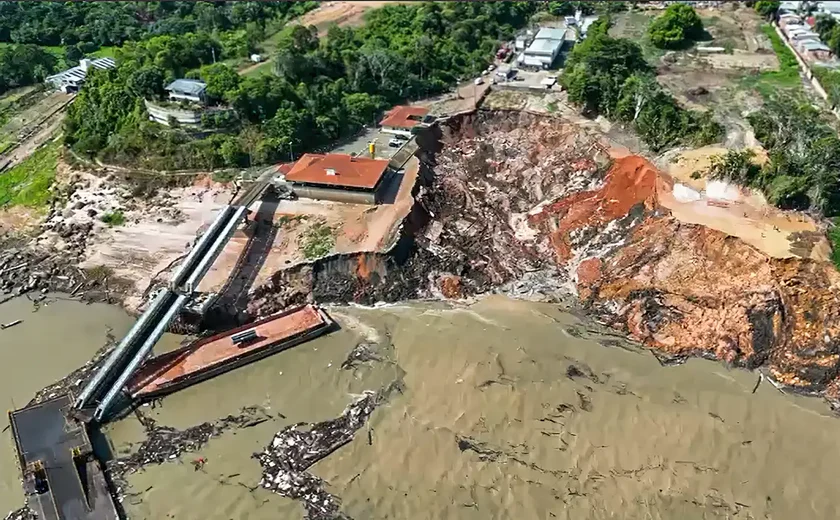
{"points": [[114, 23], [322, 89], [38, 38], [610, 76]]}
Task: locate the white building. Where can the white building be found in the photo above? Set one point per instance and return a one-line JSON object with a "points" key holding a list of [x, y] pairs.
{"points": [[187, 90], [71, 79], [544, 49]]}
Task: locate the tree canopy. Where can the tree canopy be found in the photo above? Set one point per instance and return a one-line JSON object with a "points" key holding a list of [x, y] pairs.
{"points": [[322, 89], [610, 76], [113, 23], [804, 167], [767, 8], [676, 27], [24, 65]]}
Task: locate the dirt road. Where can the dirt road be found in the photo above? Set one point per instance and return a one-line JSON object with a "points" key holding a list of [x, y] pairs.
{"points": [[38, 133]]}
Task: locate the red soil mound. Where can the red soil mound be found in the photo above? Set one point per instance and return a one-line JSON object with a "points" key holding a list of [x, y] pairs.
{"points": [[630, 181]]}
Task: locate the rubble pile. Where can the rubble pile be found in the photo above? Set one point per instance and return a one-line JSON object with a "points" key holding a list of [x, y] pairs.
{"points": [[495, 171], [295, 448], [24, 270]]}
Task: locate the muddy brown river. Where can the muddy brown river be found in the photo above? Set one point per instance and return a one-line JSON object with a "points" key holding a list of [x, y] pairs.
{"points": [[510, 410]]}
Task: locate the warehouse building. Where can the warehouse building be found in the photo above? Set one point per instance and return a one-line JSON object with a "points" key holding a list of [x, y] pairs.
{"points": [[543, 51], [71, 79], [339, 177]]}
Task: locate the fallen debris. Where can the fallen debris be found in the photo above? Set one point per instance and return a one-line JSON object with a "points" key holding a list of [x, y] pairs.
{"points": [[10, 324], [297, 447], [24, 513], [361, 353], [165, 443]]}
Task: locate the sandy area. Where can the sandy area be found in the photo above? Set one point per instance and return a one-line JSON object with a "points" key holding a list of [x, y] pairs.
{"points": [[354, 228], [341, 13], [156, 233], [750, 217]]}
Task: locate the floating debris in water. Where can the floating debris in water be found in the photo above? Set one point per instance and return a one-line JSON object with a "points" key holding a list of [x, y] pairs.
{"points": [[297, 447], [361, 353], [24, 513], [164, 443]]}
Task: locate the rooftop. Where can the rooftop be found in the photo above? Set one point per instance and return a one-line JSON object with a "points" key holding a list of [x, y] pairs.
{"points": [[544, 45], [550, 33], [813, 45], [404, 116], [77, 74], [188, 86], [337, 169]]}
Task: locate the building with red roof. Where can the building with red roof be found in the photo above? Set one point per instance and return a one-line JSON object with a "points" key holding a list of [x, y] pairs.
{"points": [[338, 176], [402, 118]]}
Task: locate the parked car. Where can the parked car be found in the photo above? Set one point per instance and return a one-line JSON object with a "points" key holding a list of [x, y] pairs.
{"points": [[478, 81], [491, 67], [395, 143]]}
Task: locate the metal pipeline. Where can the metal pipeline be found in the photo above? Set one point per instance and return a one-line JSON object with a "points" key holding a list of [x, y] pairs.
{"points": [[213, 251], [198, 250], [91, 389], [140, 356]]}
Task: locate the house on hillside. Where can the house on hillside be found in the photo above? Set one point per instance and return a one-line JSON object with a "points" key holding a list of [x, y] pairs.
{"points": [[187, 90], [401, 119], [339, 177], [71, 79]]}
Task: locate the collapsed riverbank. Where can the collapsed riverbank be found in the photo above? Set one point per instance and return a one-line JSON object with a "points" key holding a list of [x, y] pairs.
{"points": [[539, 208]]}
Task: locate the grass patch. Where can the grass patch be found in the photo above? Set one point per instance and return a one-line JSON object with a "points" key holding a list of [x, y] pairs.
{"points": [[104, 52], [551, 107], [834, 238], [114, 218], [317, 241], [768, 83], [633, 25], [224, 175], [263, 68], [28, 183]]}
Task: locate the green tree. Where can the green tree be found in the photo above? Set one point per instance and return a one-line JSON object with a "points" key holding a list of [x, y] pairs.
{"points": [[767, 8], [222, 81], [676, 27]]}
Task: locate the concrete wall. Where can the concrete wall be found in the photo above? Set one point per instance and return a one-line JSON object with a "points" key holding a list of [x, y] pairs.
{"points": [[396, 131], [350, 197], [160, 114]]}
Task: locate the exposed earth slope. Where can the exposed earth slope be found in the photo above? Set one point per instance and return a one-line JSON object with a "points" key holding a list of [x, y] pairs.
{"points": [[529, 204]]}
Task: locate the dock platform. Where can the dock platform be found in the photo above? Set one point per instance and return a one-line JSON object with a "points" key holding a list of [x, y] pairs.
{"points": [[214, 355], [61, 477]]}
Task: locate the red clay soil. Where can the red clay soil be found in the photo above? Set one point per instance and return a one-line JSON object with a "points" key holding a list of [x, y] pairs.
{"points": [[630, 181], [685, 289]]}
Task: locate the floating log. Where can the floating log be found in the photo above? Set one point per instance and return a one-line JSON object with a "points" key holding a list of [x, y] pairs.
{"points": [[10, 324]]}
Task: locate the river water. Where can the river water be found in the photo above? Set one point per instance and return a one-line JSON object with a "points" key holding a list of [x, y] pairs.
{"points": [[510, 410]]}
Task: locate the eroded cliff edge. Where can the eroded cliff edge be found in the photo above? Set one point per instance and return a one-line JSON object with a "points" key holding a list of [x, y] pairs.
{"points": [[539, 208]]}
